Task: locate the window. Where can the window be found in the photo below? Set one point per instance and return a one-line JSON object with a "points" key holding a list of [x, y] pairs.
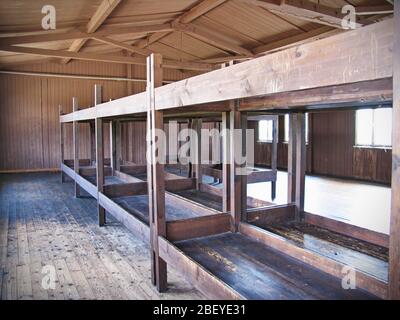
{"points": [[286, 137], [265, 128], [374, 127]]}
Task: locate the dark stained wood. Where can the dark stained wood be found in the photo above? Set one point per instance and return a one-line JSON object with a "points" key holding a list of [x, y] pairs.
{"points": [[100, 167], [75, 137], [394, 245], [155, 173], [204, 280], [242, 262], [62, 134], [226, 194], [269, 215], [198, 227], [356, 232], [300, 164], [292, 163], [316, 260]]}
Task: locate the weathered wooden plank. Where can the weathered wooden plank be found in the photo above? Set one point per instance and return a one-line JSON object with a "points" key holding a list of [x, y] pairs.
{"points": [[274, 214], [198, 227], [394, 245], [364, 281], [301, 158], [203, 280], [353, 231], [91, 171], [125, 189]]}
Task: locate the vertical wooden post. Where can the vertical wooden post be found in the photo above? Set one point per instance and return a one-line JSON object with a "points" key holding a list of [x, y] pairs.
{"points": [[113, 145], [274, 153], [238, 182], [155, 171], [100, 167], [61, 144], [118, 145], [97, 100], [197, 124], [225, 163], [292, 158], [75, 138], [300, 164], [394, 242]]}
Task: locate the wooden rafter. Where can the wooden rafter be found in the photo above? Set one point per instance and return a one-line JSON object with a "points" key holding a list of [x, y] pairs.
{"points": [[101, 14], [372, 10], [197, 11], [122, 45], [208, 36], [105, 58], [54, 36], [303, 9]]}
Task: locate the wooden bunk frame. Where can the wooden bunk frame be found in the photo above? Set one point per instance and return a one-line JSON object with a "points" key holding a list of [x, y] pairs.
{"points": [[354, 69]]}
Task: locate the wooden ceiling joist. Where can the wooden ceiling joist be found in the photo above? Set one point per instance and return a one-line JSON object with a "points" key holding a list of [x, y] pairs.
{"points": [[55, 36], [197, 11], [105, 58], [303, 9], [207, 36], [101, 14], [374, 10], [130, 48]]}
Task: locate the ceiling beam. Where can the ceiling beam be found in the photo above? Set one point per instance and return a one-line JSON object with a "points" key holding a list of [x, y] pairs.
{"points": [[197, 11], [54, 36], [372, 10], [301, 38], [106, 58], [210, 37], [303, 9], [101, 14], [122, 45]]}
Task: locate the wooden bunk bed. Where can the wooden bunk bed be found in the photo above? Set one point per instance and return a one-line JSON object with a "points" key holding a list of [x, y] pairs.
{"points": [[225, 252]]}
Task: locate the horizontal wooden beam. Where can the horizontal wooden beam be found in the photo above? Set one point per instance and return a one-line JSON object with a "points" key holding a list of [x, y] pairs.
{"points": [[372, 92], [374, 10], [274, 214], [125, 189], [305, 37], [303, 9], [122, 45], [211, 37], [91, 171], [202, 8], [105, 58], [276, 74], [105, 32], [198, 227], [346, 229], [261, 176], [200, 277]]}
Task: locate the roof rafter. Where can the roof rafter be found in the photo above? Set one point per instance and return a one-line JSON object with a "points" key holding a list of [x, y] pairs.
{"points": [[101, 14], [105, 58], [303, 9]]}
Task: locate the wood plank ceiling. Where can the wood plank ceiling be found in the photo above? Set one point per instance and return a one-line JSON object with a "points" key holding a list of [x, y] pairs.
{"points": [[201, 32]]}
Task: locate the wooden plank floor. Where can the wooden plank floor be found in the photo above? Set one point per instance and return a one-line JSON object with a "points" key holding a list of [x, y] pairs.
{"points": [[259, 272], [43, 225]]}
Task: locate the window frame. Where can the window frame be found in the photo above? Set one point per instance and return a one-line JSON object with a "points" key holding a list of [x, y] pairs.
{"points": [[373, 145], [258, 132]]}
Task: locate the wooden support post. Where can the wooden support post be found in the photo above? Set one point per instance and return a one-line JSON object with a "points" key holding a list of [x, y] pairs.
{"points": [[300, 164], [113, 145], [292, 159], [75, 138], [274, 153], [118, 145], [155, 178], [100, 167], [197, 124], [61, 145], [225, 162], [97, 100], [238, 179], [190, 165], [394, 242]]}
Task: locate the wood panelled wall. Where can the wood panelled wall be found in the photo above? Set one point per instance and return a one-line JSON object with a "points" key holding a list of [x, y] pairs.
{"points": [[29, 122], [331, 150]]}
